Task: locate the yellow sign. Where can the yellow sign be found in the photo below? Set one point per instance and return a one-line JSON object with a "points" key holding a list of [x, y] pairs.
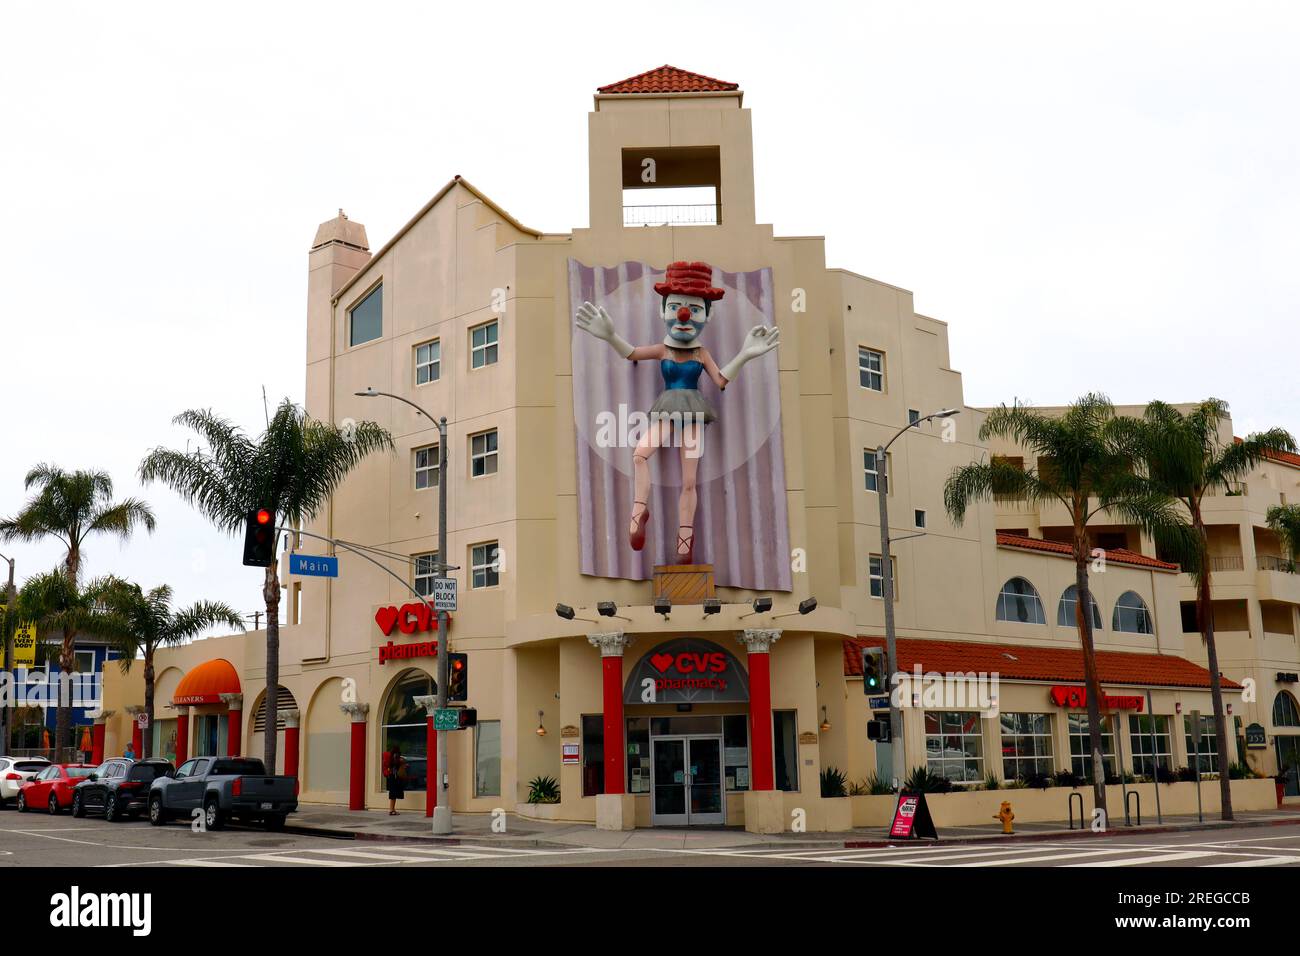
{"points": [[24, 647]]}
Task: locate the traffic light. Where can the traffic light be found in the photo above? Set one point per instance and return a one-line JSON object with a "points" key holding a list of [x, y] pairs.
{"points": [[259, 538], [468, 717], [873, 670], [458, 677], [878, 730]]}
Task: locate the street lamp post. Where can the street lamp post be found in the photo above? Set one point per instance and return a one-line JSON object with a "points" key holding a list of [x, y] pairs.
{"points": [[6, 709], [897, 743], [441, 812]]}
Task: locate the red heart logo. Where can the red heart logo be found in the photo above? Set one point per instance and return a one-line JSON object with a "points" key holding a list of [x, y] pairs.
{"points": [[662, 662], [386, 618]]}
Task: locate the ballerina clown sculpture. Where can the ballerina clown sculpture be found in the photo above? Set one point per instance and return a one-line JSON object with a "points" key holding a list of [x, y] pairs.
{"points": [[680, 414]]}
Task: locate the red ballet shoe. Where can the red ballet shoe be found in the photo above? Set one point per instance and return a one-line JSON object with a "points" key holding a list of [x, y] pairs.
{"points": [[636, 536], [688, 543]]}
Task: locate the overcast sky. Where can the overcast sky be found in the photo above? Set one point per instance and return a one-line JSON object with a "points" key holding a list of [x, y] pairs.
{"points": [[1093, 196]]}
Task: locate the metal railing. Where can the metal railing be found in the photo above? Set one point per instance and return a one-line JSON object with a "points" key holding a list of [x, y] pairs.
{"points": [[704, 214], [1232, 490], [1273, 562], [1227, 562]]}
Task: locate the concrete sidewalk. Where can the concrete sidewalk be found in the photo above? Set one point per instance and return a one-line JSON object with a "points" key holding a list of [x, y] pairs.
{"points": [[377, 825]]}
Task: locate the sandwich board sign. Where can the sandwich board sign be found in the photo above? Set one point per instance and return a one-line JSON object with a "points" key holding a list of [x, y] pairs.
{"points": [[912, 818]]}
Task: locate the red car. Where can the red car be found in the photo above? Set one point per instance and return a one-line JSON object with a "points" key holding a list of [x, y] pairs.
{"points": [[52, 787]]}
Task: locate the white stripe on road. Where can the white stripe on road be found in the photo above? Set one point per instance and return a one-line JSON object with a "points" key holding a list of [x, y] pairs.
{"points": [[277, 858], [391, 857], [1158, 858], [202, 863], [1262, 861]]}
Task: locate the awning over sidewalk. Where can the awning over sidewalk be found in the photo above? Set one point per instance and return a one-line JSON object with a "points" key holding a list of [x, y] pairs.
{"points": [[206, 683], [1021, 662]]}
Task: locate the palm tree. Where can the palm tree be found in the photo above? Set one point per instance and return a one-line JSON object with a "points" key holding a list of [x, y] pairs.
{"points": [[1285, 522], [153, 624], [56, 603], [71, 506], [291, 470], [1091, 462], [1186, 458]]}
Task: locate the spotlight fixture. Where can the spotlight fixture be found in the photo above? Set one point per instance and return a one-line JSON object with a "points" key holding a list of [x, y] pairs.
{"points": [[806, 606], [607, 608], [564, 611], [712, 606], [663, 605], [761, 605]]}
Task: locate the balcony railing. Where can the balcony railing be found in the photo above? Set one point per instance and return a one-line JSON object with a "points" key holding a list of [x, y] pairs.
{"points": [[1227, 562], [1273, 562], [1234, 489], [705, 214]]}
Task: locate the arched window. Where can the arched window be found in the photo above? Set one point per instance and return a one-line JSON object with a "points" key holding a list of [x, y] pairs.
{"points": [[1285, 713], [1131, 615], [1065, 610], [1019, 602], [405, 723]]}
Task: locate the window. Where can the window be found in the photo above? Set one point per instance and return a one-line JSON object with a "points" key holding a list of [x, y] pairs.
{"points": [[1209, 746], [913, 416], [1026, 745], [483, 345], [483, 454], [785, 737], [487, 758], [200, 768], [1131, 615], [484, 566], [405, 724], [919, 518], [1019, 602], [871, 369], [735, 750], [638, 755], [954, 745], [593, 755], [871, 468], [428, 362], [366, 319], [1081, 747], [876, 576], [1066, 609], [185, 769], [427, 467], [426, 569], [1285, 712], [1149, 736]]}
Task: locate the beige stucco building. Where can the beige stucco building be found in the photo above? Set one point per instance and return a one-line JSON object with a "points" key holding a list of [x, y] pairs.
{"points": [[470, 314]]}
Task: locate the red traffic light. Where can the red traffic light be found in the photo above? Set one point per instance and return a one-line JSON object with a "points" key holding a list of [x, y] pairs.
{"points": [[263, 516], [457, 665]]}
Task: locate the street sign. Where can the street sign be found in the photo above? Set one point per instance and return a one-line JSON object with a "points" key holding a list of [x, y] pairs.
{"points": [[1196, 728], [142, 721], [444, 594], [314, 565], [446, 719], [878, 703]]}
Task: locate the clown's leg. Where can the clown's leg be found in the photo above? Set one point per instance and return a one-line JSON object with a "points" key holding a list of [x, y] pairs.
{"points": [[692, 441], [650, 443]]}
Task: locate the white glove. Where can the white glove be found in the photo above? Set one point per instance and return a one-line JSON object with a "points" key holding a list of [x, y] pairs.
{"points": [[594, 320], [760, 340]]}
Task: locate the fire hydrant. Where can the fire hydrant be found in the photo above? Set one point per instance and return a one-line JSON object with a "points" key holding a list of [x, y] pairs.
{"points": [[1006, 816]]}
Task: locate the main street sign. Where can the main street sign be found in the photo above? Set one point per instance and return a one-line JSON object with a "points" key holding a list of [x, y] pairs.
{"points": [[314, 565]]}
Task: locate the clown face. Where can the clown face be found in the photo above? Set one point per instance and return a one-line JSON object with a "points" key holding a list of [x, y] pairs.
{"points": [[685, 317]]}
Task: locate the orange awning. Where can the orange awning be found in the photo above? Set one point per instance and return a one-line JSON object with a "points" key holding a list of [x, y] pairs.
{"points": [[206, 683]]}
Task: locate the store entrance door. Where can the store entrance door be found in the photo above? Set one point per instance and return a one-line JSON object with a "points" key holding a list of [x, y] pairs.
{"points": [[1288, 761], [686, 781]]}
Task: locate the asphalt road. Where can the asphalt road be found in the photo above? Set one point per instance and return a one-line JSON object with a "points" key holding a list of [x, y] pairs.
{"points": [[36, 839]]}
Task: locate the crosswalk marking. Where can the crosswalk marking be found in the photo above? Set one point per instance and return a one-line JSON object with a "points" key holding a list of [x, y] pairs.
{"points": [[368, 855], [1153, 858], [1261, 861], [207, 863], [374, 855]]}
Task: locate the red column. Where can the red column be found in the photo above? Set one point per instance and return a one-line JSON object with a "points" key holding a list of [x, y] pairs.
{"points": [[137, 738], [97, 743], [182, 735], [357, 783], [611, 646], [291, 720], [233, 734], [758, 641]]}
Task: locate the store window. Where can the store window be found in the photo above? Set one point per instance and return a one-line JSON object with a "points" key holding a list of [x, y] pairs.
{"points": [[1285, 712], [1069, 604], [1019, 603], [426, 569], [1150, 741], [735, 752], [483, 454], [1208, 748], [487, 758], [405, 723], [483, 345], [484, 566], [1026, 745], [871, 369], [1081, 747], [785, 737], [638, 755], [1131, 615], [365, 320], [954, 745], [428, 362], [593, 754], [427, 470]]}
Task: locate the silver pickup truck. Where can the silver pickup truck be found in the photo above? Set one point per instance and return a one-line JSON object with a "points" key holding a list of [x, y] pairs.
{"points": [[224, 788]]}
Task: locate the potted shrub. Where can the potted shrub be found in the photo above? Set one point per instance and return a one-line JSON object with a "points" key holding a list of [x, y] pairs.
{"points": [[834, 782], [543, 790]]}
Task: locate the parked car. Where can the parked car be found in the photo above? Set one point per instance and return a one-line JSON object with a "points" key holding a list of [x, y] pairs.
{"points": [[16, 771], [118, 787], [223, 788], [52, 787]]}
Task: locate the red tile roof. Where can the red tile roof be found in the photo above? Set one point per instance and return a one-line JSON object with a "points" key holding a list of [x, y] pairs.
{"points": [[669, 79], [1022, 662], [1285, 457], [1119, 555]]}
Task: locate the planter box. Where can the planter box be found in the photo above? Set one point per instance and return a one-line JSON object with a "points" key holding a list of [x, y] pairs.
{"points": [[541, 811]]}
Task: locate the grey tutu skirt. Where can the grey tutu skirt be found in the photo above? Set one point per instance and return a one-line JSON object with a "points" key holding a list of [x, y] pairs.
{"points": [[682, 405]]}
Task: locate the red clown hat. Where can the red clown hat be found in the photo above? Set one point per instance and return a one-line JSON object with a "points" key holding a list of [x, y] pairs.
{"points": [[690, 278]]}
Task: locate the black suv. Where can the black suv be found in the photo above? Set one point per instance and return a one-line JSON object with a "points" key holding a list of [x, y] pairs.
{"points": [[119, 787]]}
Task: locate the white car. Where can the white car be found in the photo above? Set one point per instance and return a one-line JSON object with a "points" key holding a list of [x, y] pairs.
{"points": [[16, 771]]}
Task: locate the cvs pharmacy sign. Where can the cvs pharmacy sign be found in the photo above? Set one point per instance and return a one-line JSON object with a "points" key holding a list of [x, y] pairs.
{"points": [[688, 669], [408, 619]]}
